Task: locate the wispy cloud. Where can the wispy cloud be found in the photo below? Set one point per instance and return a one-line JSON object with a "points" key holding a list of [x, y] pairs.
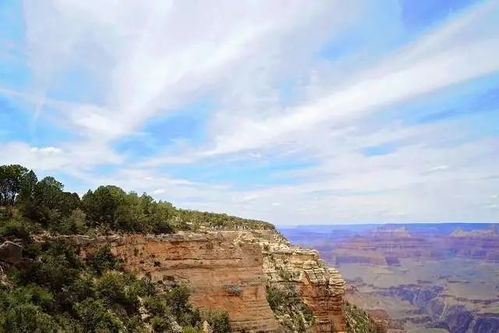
{"points": [[101, 72]]}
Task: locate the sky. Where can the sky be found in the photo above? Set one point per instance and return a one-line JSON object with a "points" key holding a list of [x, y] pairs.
{"points": [[290, 111]]}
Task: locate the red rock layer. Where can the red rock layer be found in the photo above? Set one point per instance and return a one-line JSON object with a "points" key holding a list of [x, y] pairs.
{"points": [[320, 287], [221, 272], [229, 270]]}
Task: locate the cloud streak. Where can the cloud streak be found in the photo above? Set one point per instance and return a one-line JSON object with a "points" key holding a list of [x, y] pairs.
{"points": [[104, 72]]}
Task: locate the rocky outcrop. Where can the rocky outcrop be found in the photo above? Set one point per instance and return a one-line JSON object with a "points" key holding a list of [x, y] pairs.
{"points": [[230, 270], [320, 287], [221, 271]]}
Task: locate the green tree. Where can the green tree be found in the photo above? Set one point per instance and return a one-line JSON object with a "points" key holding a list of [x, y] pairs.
{"points": [[27, 188], [130, 216], [160, 217], [49, 204], [116, 290], [74, 223], [11, 178], [101, 206]]}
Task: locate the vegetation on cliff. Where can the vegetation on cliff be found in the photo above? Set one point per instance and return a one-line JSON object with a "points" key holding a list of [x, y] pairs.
{"points": [[51, 288], [289, 309], [358, 321], [29, 205], [55, 290]]}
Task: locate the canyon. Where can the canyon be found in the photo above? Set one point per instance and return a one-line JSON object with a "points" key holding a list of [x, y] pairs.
{"points": [[230, 270], [417, 277]]}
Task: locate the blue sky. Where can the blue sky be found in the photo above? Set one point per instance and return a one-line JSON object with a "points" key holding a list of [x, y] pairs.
{"points": [[289, 111]]}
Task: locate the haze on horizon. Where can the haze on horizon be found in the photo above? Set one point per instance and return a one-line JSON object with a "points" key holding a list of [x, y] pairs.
{"points": [[289, 111]]}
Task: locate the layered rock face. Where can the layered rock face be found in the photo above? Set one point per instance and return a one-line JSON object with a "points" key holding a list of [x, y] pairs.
{"points": [[386, 246], [221, 272], [320, 287], [230, 270]]}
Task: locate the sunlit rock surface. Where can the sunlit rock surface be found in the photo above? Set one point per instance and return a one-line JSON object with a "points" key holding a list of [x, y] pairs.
{"points": [[230, 270]]}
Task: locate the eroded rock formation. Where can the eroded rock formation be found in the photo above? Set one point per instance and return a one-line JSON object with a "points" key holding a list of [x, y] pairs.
{"points": [[320, 287], [230, 270], [222, 273]]}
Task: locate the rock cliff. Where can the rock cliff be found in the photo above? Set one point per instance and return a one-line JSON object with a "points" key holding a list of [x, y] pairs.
{"points": [[320, 287], [231, 270]]}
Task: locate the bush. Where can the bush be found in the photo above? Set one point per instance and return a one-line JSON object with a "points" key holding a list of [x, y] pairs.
{"points": [[286, 304], [358, 320], [218, 320], [102, 260], [57, 267], [156, 306], [178, 299], [33, 294], [27, 318], [12, 229], [116, 291], [95, 316], [72, 224], [160, 324]]}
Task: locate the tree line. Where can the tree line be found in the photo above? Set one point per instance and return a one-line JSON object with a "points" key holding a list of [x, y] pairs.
{"points": [[30, 204]]}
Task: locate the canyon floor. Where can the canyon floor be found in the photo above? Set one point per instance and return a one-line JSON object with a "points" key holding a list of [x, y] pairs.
{"points": [[418, 278]]}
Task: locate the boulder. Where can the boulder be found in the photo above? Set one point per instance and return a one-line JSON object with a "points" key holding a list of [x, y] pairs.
{"points": [[11, 252]]}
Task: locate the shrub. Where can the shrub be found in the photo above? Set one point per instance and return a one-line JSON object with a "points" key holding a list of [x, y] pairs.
{"points": [[72, 224], [287, 305], [16, 229], [358, 320], [116, 292], [33, 294], [218, 320], [156, 306], [178, 299], [160, 324], [95, 316], [27, 318], [58, 266], [102, 260]]}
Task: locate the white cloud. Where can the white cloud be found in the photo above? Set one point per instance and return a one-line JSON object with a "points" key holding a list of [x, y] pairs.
{"points": [[149, 58], [71, 158], [46, 150], [418, 69], [158, 191], [41, 158], [152, 56]]}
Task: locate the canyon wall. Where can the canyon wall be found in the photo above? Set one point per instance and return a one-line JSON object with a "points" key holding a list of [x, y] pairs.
{"points": [[230, 270], [320, 287], [221, 273]]}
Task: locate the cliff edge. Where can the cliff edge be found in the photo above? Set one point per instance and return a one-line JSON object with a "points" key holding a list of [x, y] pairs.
{"points": [[233, 271]]}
